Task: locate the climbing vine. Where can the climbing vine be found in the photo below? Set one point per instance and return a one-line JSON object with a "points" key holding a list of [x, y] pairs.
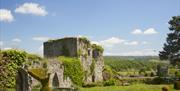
{"points": [[73, 69], [92, 66]]}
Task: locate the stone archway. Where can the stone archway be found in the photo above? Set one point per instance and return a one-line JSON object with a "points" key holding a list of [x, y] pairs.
{"points": [[55, 82]]}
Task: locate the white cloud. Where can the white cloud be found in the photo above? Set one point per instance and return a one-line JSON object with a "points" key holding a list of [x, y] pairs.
{"points": [[146, 32], [41, 38], [111, 42], [150, 31], [31, 8], [137, 31], [131, 43], [16, 40], [6, 15]]}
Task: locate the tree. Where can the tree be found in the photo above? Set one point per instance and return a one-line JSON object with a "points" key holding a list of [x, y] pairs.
{"points": [[171, 49]]}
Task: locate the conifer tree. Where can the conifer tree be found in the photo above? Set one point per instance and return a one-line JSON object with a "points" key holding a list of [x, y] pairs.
{"points": [[171, 49]]}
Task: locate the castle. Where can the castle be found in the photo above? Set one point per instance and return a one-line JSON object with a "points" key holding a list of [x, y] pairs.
{"points": [[81, 48], [89, 55]]}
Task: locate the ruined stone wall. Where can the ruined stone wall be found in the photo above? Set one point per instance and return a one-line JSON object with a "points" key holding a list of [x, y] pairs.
{"points": [[56, 69], [85, 55], [99, 65], [80, 48], [65, 46]]}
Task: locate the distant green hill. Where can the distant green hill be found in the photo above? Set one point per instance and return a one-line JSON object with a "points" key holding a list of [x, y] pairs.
{"points": [[126, 63], [133, 57]]}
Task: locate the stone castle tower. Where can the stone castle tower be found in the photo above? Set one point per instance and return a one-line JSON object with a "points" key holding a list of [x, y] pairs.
{"points": [[89, 54]]}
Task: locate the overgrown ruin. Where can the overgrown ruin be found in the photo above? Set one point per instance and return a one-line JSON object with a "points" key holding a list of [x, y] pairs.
{"points": [[90, 55], [51, 73]]}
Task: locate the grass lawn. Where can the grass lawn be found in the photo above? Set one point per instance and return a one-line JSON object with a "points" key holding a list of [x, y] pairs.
{"points": [[137, 87]]}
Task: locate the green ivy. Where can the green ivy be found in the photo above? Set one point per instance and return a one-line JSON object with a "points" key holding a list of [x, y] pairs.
{"points": [[79, 52], [33, 58], [85, 40], [92, 66], [10, 61], [73, 69], [97, 47]]}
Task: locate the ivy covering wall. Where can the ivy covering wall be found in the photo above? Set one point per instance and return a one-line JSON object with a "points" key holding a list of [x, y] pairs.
{"points": [[10, 61], [97, 47], [73, 69]]}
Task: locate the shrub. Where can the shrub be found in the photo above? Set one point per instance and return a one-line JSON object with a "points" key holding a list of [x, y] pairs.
{"points": [[165, 88], [162, 80], [97, 47], [109, 82], [10, 61], [107, 73], [136, 80]]}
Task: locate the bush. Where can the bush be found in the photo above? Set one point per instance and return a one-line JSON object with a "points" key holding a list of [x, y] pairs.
{"points": [[109, 82], [177, 85], [162, 80], [107, 73], [10, 61], [135, 80], [97, 47], [165, 88]]}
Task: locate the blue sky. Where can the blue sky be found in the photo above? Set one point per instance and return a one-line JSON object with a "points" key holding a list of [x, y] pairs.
{"points": [[122, 27]]}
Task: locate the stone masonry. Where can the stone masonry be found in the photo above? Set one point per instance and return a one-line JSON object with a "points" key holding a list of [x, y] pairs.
{"points": [[76, 47]]}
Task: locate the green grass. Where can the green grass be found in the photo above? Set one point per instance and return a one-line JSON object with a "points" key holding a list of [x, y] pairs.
{"points": [[137, 87]]}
